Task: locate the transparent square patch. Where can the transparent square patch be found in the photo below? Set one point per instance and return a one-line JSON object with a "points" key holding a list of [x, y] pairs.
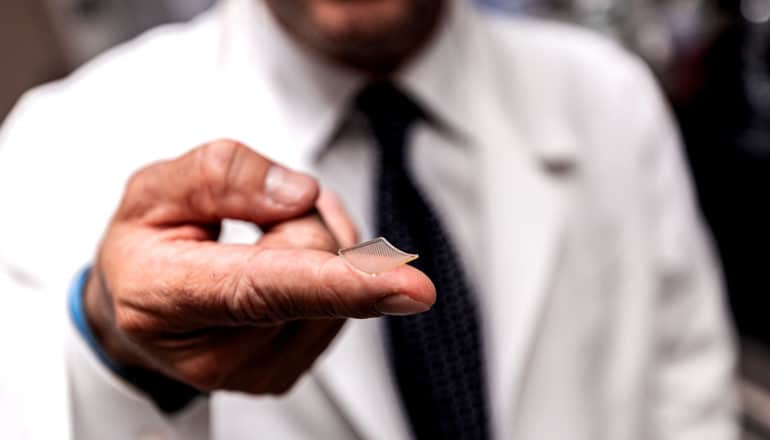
{"points": [[376, 256]]}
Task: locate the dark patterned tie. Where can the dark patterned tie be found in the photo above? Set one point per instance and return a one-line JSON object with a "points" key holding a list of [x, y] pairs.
{"points": [[436, 356]]}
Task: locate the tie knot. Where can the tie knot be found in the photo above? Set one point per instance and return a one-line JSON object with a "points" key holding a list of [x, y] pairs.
{"points": [[390, 114]]}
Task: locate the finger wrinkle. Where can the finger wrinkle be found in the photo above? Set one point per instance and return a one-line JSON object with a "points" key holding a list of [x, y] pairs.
{"points": [[348, 289], [252, 303]]}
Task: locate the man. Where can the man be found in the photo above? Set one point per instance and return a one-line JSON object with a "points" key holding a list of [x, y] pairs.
{"points": [[570, 286]]}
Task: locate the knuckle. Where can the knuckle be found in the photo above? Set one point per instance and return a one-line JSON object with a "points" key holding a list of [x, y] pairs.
{"points": [[137, 189], [224, 144], [139, 179], [218, 163], [143, 189]]}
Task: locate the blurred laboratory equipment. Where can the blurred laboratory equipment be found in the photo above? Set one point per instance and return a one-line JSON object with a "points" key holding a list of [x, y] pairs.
{"points": [[87, 27], [29, 50], [726, 126], [713, 60], [46, 39], [663, 32]]}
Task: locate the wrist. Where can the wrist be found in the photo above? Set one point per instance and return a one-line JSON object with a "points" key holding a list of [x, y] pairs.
{"points": [[100, 320], [94, 318]]}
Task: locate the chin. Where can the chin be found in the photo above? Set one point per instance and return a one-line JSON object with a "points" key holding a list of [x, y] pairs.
{"points": [[366, 34], [339, 20]]}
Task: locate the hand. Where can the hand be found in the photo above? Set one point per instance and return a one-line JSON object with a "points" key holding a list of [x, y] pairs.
{"points": [[164, 295]]}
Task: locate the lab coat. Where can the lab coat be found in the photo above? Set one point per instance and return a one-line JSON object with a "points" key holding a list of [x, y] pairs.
{"points": [[602, 317]]}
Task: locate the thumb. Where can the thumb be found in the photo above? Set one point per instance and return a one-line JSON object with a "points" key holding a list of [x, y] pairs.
{"points": [[222, 179], [245, 285], [305, 284]]}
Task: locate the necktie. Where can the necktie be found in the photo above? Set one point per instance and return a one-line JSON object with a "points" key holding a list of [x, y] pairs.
{"points": [[435, 356]]}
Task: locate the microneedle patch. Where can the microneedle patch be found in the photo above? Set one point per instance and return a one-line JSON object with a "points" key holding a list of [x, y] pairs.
{"points": [[376, 256]]}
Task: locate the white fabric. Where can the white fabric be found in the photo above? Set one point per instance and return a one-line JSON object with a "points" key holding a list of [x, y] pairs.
{"points": [[555, 167]]}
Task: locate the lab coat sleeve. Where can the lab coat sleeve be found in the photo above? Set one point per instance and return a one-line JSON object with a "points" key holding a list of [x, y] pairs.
{"points": [[87, 401], [105, 406], [692, 389], [33, 393]]}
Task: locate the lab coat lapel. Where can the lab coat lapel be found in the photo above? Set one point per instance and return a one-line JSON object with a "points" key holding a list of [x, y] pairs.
{"points": [[524, 219], [356, 377], [525, 172]]}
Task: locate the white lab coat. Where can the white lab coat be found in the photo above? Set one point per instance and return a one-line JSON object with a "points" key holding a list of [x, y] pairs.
{"points": [[603, 319]]}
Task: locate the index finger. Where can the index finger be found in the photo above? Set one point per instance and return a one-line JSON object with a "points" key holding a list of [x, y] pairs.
{"points": [[220, 180]]}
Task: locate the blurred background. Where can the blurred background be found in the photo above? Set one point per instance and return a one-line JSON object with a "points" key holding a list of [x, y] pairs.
{"points": [[42, 40], [712, 58]]}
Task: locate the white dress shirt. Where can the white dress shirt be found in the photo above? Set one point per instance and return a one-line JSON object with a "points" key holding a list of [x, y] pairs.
{"points": [[554, 165], [319, 132]]}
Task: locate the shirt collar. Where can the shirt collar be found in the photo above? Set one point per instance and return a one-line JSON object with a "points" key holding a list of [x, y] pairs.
{"points": [[435, 77], [313, 95]]}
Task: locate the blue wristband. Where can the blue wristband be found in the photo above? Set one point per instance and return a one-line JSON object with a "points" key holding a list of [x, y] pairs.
{"points": [[78, 315]]}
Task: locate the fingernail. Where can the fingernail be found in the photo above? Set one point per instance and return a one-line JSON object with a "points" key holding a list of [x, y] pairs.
{"points": [[400, 305], [287, 187]]}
